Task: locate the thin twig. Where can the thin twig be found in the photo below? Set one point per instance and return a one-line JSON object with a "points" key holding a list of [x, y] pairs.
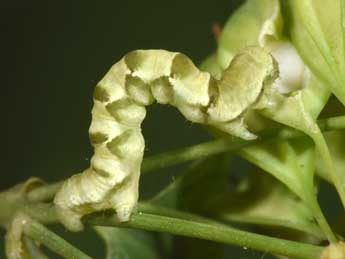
{"points": [[40, 233], [198, 151], [33, 249], [211, 232], [222, 145], [45, 193]]}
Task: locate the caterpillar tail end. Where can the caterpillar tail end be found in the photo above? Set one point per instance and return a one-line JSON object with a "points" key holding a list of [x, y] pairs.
{"points": [[70, 219], [66, 207], [88, 192], [124, 213]]}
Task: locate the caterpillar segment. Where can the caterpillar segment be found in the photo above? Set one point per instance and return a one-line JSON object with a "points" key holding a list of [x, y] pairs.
{"points": [[139, 79]]}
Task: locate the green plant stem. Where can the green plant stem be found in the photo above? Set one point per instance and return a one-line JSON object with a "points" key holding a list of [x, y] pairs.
{"points": [[54, 242], [229, 144], [45, 193], [321, 220], [211, 232], [198, 151], [326, 156], [185, 224], [191, 153], [32, 249], [149, 208], [332, 123]]}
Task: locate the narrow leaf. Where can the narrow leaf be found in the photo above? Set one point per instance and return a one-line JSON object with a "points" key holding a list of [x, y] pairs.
{"points": [[128, 243]]}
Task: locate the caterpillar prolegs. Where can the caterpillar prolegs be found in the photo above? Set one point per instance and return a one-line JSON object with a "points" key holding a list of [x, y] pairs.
{"points": [[137, 80]]}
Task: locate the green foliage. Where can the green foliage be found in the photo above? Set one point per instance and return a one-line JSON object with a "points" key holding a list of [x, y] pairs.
{"points": [[128, 243], [318, 33]]}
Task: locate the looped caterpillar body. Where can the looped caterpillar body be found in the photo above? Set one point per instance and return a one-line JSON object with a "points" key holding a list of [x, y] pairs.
{"points": [[137, 80]]}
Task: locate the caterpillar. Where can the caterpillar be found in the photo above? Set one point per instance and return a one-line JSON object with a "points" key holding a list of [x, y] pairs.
{"points": [[139, 79]]}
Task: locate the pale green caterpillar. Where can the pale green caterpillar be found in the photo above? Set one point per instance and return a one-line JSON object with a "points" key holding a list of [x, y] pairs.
{"points": [[137, 80]]}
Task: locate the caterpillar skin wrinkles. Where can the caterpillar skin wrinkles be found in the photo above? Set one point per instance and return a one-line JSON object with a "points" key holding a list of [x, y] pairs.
{"points": [[139, 79]]}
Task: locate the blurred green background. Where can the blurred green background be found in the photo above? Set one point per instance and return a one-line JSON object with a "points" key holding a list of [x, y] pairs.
{"points": [[54, 53]]}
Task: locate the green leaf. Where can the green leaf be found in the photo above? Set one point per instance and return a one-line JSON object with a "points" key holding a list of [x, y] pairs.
{"points": [[318, 34], [315, 96], [268, 203], [291, 162], [298, 109], [211, 65], [248, 26], [128, 243], [202, 182], [280, 160], [336, 143], [205, 189]]}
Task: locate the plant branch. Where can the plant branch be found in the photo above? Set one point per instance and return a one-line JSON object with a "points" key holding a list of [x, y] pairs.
{"points": [[229, 144], [33, 249], [184, 224], [198, 151], [44, 193], [40, 233], [211, 232], [148, 207]]}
